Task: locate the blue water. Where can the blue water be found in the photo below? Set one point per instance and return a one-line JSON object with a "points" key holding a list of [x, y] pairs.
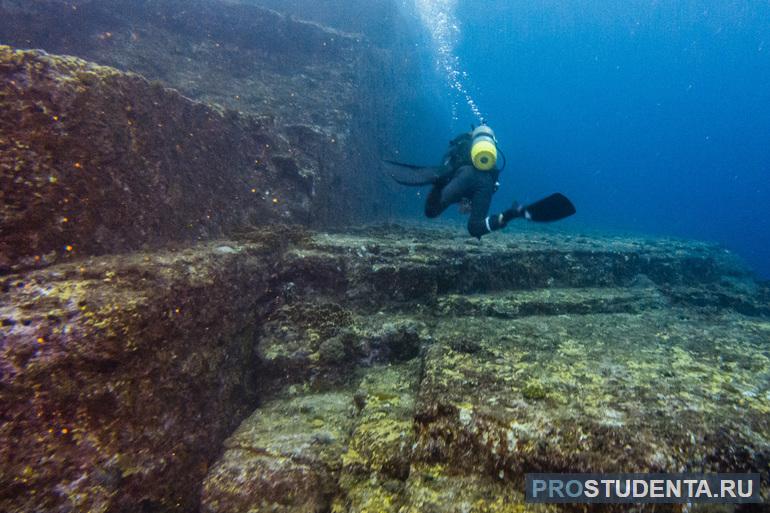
{"points": [[653, 116]]}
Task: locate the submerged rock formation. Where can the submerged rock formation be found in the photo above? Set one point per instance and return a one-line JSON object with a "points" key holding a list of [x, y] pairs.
{"points": [[94, 161], [396, 370], [536, 354], [326, 93], [122, 374]]}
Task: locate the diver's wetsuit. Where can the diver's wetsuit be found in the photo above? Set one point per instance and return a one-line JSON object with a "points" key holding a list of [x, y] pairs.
{"points": [[463, 181]]}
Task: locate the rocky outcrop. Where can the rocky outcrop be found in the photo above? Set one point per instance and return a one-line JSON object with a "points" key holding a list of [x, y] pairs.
{"points": [[396, 370], [239, 57], [321, 90], [94, 161], [121, 375], [536, 354]]}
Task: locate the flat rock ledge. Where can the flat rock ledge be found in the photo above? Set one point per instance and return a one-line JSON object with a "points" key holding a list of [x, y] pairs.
{"points": [[385, 369]]}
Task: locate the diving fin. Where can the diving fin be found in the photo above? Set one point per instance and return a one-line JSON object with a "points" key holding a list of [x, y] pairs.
{"points": [[410, 174], [554, 207]]}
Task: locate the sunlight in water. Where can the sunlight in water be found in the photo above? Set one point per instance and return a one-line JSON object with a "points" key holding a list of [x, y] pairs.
{"points": [[439, 18]]}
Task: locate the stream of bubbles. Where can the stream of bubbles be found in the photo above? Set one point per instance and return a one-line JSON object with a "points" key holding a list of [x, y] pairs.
{"points": [[440, 20]]}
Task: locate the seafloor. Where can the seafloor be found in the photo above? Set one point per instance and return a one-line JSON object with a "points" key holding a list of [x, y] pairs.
{"points": [[386, 369]]}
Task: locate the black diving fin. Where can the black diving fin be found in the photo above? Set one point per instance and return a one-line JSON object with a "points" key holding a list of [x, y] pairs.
{"points": [[410, 174], [552, 208]]}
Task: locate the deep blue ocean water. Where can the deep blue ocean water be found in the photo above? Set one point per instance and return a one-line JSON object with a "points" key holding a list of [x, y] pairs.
{"points": [[652, 116]]}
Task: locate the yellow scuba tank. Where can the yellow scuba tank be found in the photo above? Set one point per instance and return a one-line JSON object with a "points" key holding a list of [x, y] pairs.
{"points": [[483, 148]]}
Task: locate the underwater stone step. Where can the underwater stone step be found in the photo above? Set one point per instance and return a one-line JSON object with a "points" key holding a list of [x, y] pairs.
{"points": [[320, 341], [656, 391], [378, 458], [284, 458], [746, 299], [439, 488], [124, 373], [410, 264], [552, 302], [296, 453]]}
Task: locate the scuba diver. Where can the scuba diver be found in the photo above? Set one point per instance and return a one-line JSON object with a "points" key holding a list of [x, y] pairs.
{"points": [[468, 175]]}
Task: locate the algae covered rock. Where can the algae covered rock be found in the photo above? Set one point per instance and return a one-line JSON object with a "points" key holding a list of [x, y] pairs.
{"points": [[324, 96], [303, 340], [121, 376], [284, 458], [94, 161], [400, 341], [378, 458], [623, 374], [312, 451], [596, 393]]}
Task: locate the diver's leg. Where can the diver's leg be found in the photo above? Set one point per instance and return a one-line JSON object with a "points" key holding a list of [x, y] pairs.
{"points": [[433, 206], [440, 198], [479, 222]]}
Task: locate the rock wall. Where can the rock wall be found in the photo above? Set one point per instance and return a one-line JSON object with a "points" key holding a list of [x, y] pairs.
{"points": [[94, 161], [315, 84], [121, 375]]}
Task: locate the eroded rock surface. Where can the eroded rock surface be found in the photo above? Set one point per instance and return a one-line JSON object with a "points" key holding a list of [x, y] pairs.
{"points": [[94, 161], [121, 375], [395, 370], [614, 362], [285, 457], [326, 94]]}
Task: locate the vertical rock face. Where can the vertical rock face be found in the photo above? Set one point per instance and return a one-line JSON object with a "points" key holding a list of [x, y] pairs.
{"points": [[122, 375], [316, 85], [93, 161]]}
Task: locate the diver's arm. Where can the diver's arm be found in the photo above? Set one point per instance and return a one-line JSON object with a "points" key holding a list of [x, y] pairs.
{"points": [[458, 147]]}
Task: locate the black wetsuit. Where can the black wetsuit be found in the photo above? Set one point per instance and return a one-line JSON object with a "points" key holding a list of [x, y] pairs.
{"points": [[462, 180]]}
